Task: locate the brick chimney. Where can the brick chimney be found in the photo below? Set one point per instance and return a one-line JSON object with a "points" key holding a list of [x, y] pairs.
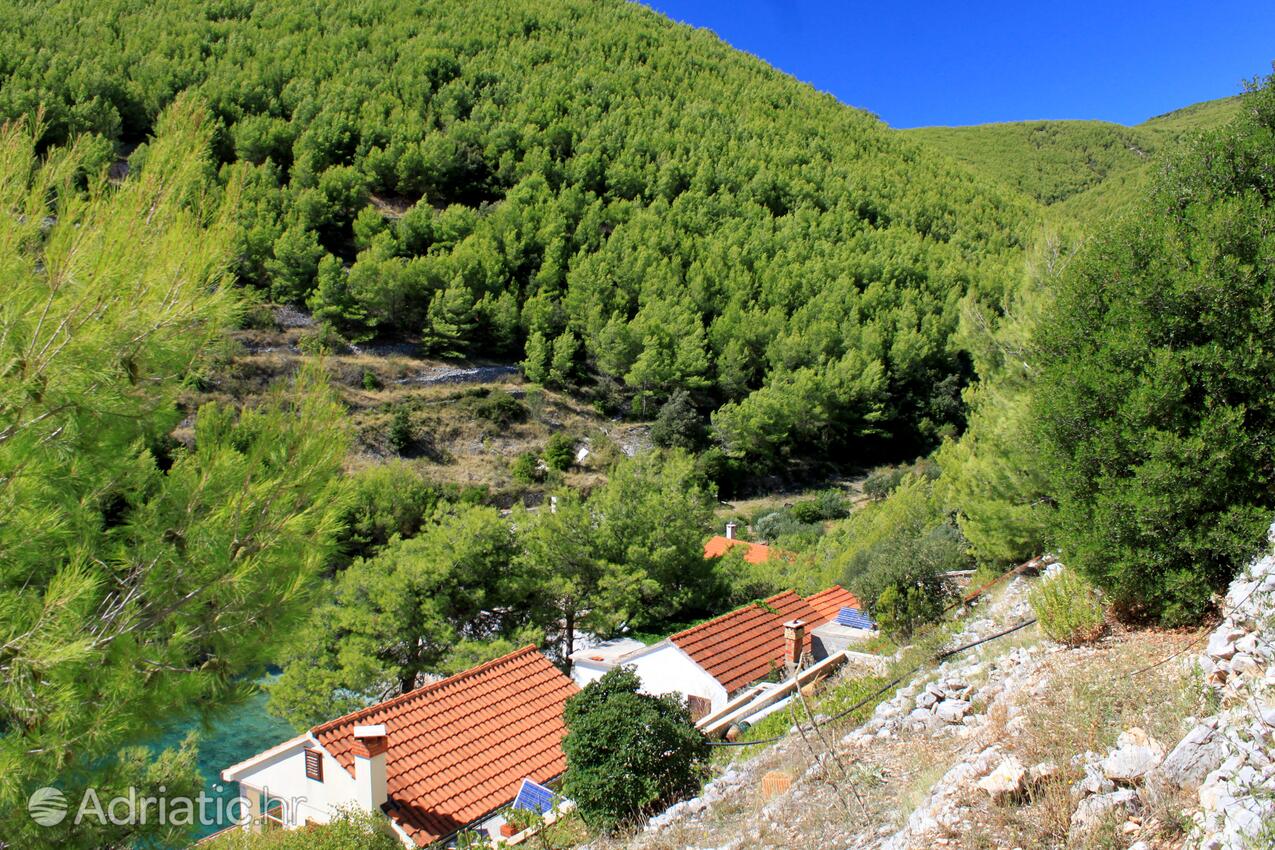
{"points": [[794, 640], [369, 749], [730, 530]]}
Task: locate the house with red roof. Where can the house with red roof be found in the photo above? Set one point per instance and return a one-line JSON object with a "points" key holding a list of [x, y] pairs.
{"points": [[714, 661], [754, 553], [446, 757]]}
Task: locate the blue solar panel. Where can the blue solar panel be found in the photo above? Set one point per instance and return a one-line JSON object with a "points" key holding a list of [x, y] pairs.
{"points": [[533, 797], [854, 618]]}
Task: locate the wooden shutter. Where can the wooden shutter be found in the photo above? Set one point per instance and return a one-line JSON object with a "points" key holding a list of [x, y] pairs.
{"points": [[314, 765]]}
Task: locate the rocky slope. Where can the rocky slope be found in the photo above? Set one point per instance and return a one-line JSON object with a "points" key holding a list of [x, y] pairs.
{"points": [[1146, 739]]}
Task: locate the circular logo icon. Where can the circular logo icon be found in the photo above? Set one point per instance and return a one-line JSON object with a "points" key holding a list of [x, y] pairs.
{"points": [[47, 806]]}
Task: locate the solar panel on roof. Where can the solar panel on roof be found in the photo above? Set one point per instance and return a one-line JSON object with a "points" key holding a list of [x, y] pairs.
{"points": [[534, 797], [854, 618]]}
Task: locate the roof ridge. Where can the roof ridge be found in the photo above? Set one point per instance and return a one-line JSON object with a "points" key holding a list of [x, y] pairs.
{"points": [[756, 603], [392, 701]]}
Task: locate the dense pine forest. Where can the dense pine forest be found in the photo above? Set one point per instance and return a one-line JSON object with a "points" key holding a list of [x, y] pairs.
{"points": [[1048, 336], [621, 202]]}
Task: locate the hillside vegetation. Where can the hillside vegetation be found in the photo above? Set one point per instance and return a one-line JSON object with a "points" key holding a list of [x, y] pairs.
{"points": [[1083, 170], [627, 204], [649, 226]]}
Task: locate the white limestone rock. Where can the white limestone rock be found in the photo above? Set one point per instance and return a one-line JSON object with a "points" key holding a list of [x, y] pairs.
{"points": [[1200, 751], [1006, 780], [1092, 811], [952, 710], [1136, 753]]}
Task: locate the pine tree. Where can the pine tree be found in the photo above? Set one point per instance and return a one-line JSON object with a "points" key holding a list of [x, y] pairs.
{"points": [[563, 363], [450, 322], [536, 364], [139, 580]]}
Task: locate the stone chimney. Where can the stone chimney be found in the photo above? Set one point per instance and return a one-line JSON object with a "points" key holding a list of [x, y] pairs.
{"points": [[794, 639], [369, 766], [730, 530]]}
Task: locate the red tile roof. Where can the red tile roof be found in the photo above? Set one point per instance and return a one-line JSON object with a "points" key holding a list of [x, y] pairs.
{"points": [[459, 748], [758, 553], [830, 602], [743, 646]]}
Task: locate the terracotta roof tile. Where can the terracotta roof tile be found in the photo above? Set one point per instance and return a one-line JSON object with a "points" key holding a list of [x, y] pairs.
{"points": [[758, 553], [745, 645], [459, 748], [830, 602]]}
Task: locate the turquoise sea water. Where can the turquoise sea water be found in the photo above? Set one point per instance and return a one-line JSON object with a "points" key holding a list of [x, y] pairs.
{"points": [[240, 732]]}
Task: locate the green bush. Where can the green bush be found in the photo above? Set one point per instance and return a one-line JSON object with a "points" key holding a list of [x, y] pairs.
{"points": [[400, 433], [371, 382], [350, 829], [828, 504], [1068, 608], [910, 560], [778, 524], [381, 501], [526, 468], [902, 608], [1155, 404], [883, 480], [560, 452], [678, 424], [500, 409], [323, 339], [629, 754]]}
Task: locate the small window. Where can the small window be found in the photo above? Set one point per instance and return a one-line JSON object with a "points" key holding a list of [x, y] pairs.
{"points": [[699, 706], [314, 765]]}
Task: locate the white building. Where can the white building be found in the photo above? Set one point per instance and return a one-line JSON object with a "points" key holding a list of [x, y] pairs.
{"points": [[712, 662], [436, 761]]}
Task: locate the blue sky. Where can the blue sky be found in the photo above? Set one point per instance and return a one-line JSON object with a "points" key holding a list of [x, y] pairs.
{"points": [[973, 61]]}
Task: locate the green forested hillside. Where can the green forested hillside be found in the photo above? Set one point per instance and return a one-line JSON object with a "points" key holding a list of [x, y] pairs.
{"points": [[1083, 169], [628, 204]]}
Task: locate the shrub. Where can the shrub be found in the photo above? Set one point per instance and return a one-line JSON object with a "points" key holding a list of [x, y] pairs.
{"points": [[371, 382], [560, 452], [829, 504], [323, 339], [784, 530], [628, 753], [1068, 608], [351, 828], [400, 434], [910, 558], [500, 409], [902, 608], [526, 468], [534, 399], [882, 481], [678, 424]]}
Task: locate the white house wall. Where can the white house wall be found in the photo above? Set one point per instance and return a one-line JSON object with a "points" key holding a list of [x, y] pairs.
{"points": [[665, 669], [582, 672], [283, 777]]}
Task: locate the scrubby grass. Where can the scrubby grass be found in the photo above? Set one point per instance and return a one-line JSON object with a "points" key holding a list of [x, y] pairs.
{"points": [[1068, 608], [1089, 700], [466, 434]]}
